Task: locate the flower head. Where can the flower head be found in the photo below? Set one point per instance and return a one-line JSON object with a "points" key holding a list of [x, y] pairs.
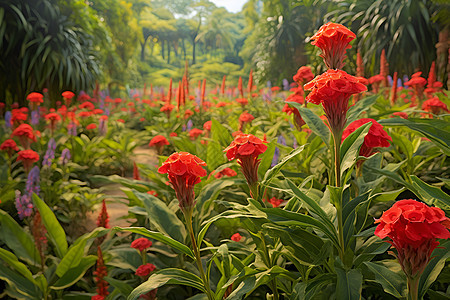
{"points": [[28, 157], [103, 217], [413, 228], [333, 39], [37, 98], [141, 244], [9, 146], [275, 201], [434, 106], [236, 237], [100, 273], [25, 134], [304, 75], [158, 140], [375, 138], [145, 270], [225, 172], [333, 89], [184, 171]]}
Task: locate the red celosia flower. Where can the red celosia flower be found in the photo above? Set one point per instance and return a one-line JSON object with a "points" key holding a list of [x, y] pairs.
{"points": [[207, 125], [401, 114], [28, 157], [221, 104], [413, 228], [298, 98], [136, 175], [9, 146], [434, 106], [145, 270], [225, 172], [18, 117], [376, 137], [188, 113], [333, 89], [153, 193], [68, 94], [333, 39], [35, 98], [246, 148], [384, 68], [304, 75], [84, 114], [103, 217], [25, 134], [100, 273], [236, 133], [275, 202], [52, 117], [417, 83], [88, 105], [359, 65], [121, 120], [141, 244], [91, 126], [98, 297], [172, 134], [236, 237], [38, 230], [245, 118], [97, 111], [184, 170], [241, 101], [195, 133], [158, 141]]}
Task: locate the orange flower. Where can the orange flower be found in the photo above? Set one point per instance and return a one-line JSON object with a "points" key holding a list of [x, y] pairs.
{"points": [[184, 171], [304, 75], [333, 39]]}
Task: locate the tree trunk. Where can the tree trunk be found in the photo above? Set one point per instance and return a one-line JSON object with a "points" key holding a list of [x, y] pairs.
{"points": [[143, 49], [193, 51], [162, 49], [184, 48]]}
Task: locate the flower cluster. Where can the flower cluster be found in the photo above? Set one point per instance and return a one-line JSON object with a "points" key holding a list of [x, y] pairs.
{"points": [[50, 153], [225, 172], [9, 146], [100, 273], [184, 171], [141, 244], [145, 270], [28, 157], [25, 134], [413, 228]]}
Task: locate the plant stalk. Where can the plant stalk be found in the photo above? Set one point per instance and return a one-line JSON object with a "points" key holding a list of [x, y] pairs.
{"points": [[337, 137], [413, 288]]}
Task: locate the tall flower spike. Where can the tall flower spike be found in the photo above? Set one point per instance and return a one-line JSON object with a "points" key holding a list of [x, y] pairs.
{"points": [[136, 175], [184, 171], [103, 217], [384, 68], [246, 148], [100, 273], [333, 39]]}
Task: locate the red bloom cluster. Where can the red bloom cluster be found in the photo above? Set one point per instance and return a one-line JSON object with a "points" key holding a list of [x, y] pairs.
{"points": [[141, 244], [241, 101], [333, 39], [304, 75], [207, 125], [25, 134], [376, 137], [68, 94], [158, 140], [434, 106], [413, 228], [333, 89], [91, 126], [18, 117], [275, 201], [100, 273], [225, 172], [36, 98], [145, 270], [103, 217], [184, 171], [195, 133], [245, 118], [9, 146], [296, 97], [236, 237]]}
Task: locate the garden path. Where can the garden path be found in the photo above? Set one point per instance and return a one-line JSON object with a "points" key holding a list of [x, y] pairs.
{"points": [[116, 208]]}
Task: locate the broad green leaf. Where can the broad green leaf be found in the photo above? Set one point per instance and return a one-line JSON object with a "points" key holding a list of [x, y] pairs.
{"points": [[160, 237], [25, 287], [362, 105], [314, 122], [430, 194], [434, 267], [18, 240], [160, 216], [220, 134], [392, 282], [403, 143], [167, 276], [54, 230], [266, 159], [271, 173], [372, 247], [351, 145], [214, 155], [435, 130], [14, 263], [71, 259], [349, 284], [140, 186], [124, 287], [312, 288], [73, 275]]}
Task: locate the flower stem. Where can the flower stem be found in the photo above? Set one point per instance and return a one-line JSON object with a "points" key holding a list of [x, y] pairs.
{"points": [[337, 136], [198, 259], [413, 288]]}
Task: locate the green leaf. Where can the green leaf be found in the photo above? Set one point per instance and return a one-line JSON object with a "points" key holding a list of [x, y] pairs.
{"points": [[266, 159], [74, 274], [220, 134], [124, 287], [18, 240], [362, 105], [430, 194], [167, 276], [54, 230], [349, 284], [392, 282], [24, 286], [160, 216], [160, 237], [434, 267], [403, 143], [14, 263], [435, 130], [314, 122], [214, 155], [271, 173], [71, 259], [351, 145]]}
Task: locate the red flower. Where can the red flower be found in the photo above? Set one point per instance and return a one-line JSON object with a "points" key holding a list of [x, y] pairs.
{"points": [[141, 244], [188, 113], [88, 105], [333, 39], [434, 106], [35, 98], [52, 117], [241, 101], [68, 95], [144, 270], [304, 74], [236, 237], [401, 114], [167, 107], [195, 133], [207, 125], [25, 134], [28, 157], [376, 137], [225, 172], [136, 175], [246, 148], [18, 117], [9, 146], [121, 121], [158, 141], [413, 228], [91, 126], [84, 114], [184, 170], [276, 88], [98, 297], [275, 202], [333, 89], [245, 118], [153, 193], [100, 273], [222, 104], [103, 217], [172, 134]]}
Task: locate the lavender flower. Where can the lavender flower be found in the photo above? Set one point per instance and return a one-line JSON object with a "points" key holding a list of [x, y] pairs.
{"points": [[286, 86], [32, 185], [23, 205], [189, 125], [65, 156], [269, 84], [276, 156], [295, 145], [72, 129], [8, 117], [35, 117], [50, 153], [399, 83], [102, 128]]}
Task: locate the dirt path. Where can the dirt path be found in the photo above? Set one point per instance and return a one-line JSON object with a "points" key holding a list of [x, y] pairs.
{"points": [[115, 206]]}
